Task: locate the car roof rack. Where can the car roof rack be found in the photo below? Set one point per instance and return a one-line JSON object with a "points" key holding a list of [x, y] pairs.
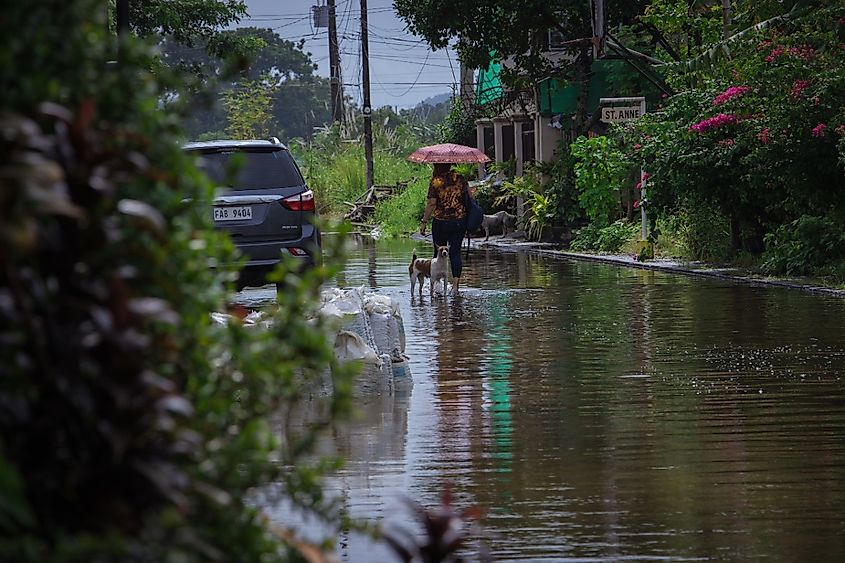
{"points": [[275, 140]]}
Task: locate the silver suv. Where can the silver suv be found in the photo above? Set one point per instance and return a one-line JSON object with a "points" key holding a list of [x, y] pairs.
{"points": [[266, 207]]}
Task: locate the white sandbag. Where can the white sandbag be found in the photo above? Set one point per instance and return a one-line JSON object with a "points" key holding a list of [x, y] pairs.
{"points": [[220, 318], [386, 374], [344, 308], [349, 346], [374, 303], [402, 380], [372, 381], [401, 369], [396, 329], [386, 323], [386, 343], [339, 303]]}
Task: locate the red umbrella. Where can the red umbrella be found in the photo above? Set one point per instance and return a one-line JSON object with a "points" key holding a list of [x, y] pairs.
{"points": [[448, 153]]}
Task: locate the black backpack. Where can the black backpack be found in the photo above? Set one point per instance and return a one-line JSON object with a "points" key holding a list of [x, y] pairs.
{"points": [[474, 215], [474, 212]]}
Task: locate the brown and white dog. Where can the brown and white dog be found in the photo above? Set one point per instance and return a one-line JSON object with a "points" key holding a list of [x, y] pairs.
{"points": [[433, 268]]}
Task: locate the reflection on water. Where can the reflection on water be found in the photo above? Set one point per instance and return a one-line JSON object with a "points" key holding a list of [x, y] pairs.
{"points": [[603, 413]]}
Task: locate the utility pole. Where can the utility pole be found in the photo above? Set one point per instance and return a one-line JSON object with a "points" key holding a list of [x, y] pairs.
{"points": [[467, 87], [367, 110], [122, 16], [726, 18], [334, 66], [598, 29]]}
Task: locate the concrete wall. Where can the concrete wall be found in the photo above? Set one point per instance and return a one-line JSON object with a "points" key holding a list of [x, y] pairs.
{"points": [[545, 138]]}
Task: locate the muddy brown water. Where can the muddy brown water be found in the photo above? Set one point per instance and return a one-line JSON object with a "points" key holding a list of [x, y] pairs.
{"points": [[600, 413]]}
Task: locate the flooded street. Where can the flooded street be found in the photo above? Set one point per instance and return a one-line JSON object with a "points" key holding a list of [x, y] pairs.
{"points": [[601, 413]]}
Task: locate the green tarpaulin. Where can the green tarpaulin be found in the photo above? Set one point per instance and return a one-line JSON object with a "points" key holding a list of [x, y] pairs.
{"points": [[489, 84], [556, 96]]}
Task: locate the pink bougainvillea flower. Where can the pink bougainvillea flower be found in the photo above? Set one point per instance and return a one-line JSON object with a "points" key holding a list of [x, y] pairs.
{"points": [[714, 122], [763, 136], [776, 52], [818, 130], [636, 204], [729, 94], [646, 176], [726, 143], [797, 87], [637, 147], [804, 52], [639, 186], [841, 129]]}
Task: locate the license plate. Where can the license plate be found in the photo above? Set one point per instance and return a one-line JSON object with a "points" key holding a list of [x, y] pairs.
{"points": [[232, 213]]}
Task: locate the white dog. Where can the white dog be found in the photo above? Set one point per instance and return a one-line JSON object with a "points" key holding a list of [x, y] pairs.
{"points": [[433, 268], [501, 219]]}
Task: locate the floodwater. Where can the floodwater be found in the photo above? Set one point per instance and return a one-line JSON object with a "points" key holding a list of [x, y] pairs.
{"points": [[600, 413]]}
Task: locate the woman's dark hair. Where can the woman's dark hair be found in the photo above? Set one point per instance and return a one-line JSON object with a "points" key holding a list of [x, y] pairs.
{"points": [[441, 169]]}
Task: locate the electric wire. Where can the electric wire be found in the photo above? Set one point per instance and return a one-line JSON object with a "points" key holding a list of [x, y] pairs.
{"points": [[405, 93]]}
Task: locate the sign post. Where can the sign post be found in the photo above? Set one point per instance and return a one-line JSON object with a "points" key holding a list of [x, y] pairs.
{"points": [[622, 110]]}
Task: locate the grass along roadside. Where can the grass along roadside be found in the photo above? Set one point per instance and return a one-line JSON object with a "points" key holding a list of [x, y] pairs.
{"points": [[336, 173]]}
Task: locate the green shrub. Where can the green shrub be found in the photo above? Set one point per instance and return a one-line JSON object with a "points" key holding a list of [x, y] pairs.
{"points": [[489, 197], [604, 239], [803, 246], [599, 171], [401, 215], [696, 231], [706, 233], [759, 137], [335, 169], [540, 207], [136, 429], [459, 125]]}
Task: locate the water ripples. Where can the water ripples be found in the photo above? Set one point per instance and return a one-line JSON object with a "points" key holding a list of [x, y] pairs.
{"points": [[608, 414]]}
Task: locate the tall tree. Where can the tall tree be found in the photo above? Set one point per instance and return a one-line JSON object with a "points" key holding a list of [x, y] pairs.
{"points": [[191, 22], [299, 99]]}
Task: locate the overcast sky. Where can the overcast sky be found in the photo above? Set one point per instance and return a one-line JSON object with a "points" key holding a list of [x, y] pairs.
{"points": [[403, 70]]}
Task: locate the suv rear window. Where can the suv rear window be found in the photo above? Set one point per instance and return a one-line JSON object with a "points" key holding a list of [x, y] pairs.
{"points": [[256, 169]]}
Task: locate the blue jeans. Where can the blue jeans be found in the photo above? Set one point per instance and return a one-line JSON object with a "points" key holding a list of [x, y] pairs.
{"points": [[452, 233]]}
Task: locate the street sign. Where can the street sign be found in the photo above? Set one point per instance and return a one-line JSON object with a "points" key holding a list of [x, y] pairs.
{"points": [[612, 111], [620, 114]]}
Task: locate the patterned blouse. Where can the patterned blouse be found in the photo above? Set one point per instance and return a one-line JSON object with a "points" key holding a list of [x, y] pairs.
{"points": [[448, 190]]}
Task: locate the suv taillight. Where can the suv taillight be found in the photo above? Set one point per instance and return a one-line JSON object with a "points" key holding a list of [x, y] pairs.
{"points": [[300, 202]]}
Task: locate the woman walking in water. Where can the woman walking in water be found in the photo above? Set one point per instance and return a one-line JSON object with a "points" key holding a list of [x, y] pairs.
{"points": [[446, 206]]}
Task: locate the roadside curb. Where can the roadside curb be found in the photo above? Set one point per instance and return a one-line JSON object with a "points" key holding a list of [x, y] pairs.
{"points": [[660, 265]]}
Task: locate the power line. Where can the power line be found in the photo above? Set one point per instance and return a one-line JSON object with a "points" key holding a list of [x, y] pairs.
{"points": [[448, 56], [386, 57], [422, 68], [291, 23], [352, 84]]}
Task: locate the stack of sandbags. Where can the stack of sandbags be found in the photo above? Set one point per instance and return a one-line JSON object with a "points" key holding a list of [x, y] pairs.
{"points": [[386, 322], [355, 340], [389, 335]]}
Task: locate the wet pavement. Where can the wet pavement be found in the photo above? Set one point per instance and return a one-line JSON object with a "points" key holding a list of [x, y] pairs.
{"points": [[604, 413]]}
